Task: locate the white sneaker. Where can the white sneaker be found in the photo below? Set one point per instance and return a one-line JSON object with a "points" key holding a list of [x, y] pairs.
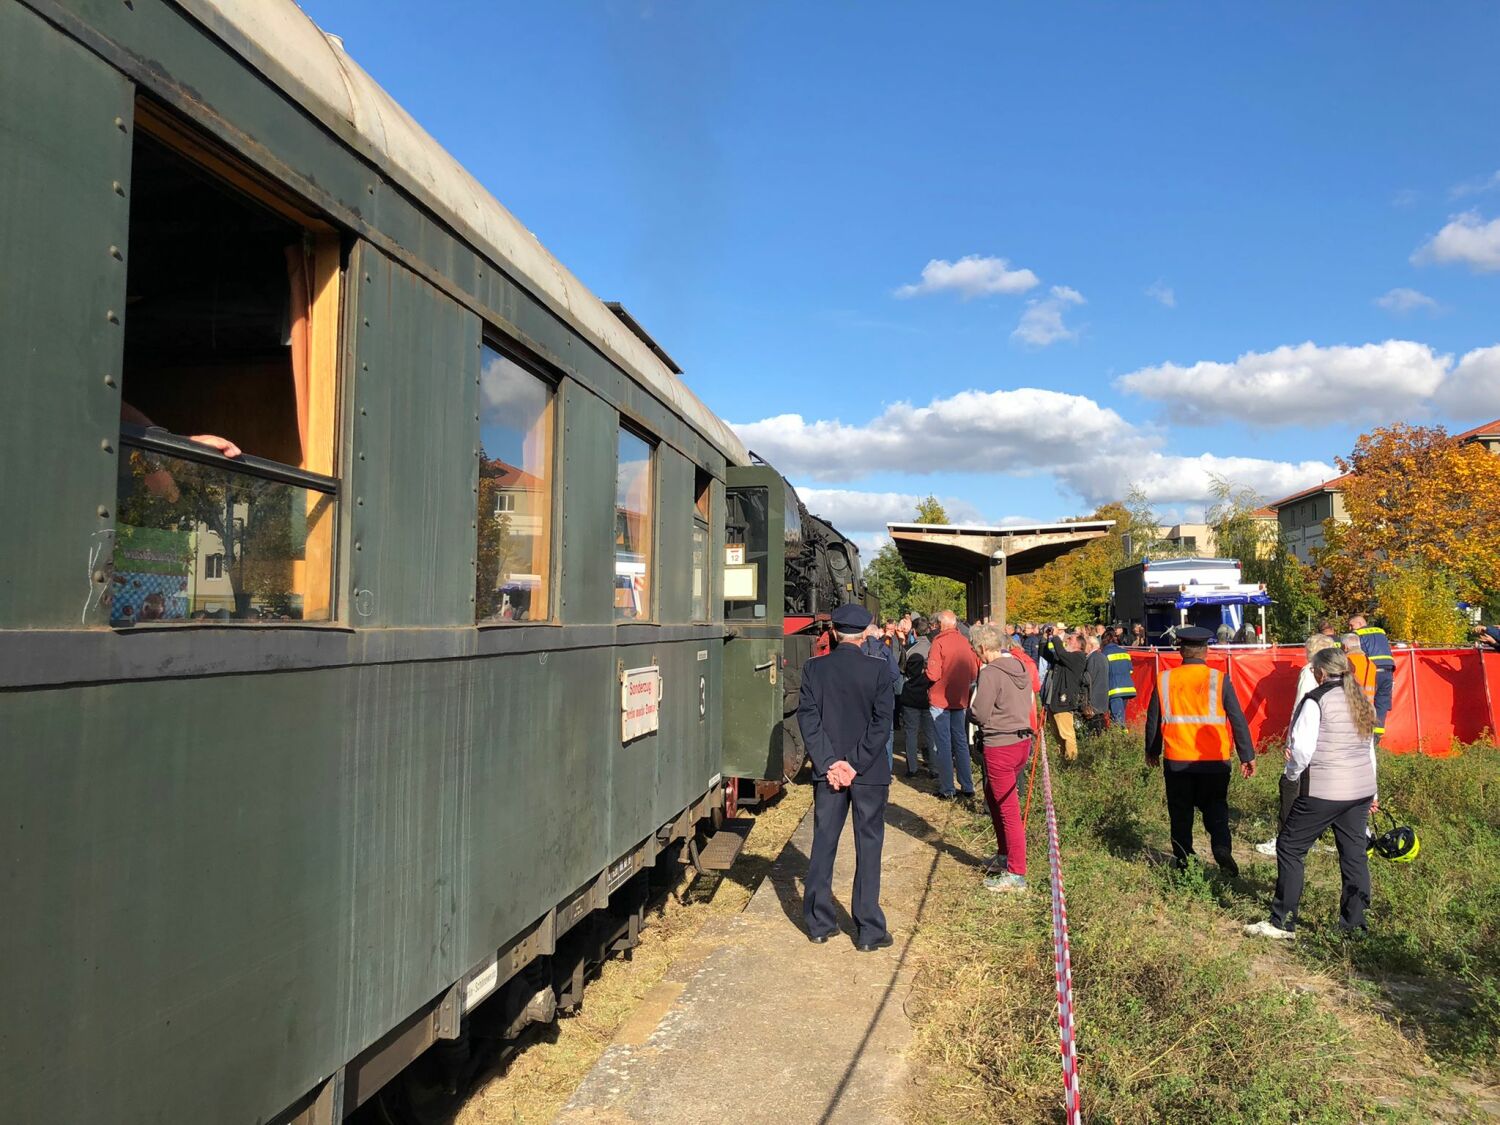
{"points": [[1268, 848], [1005, 882], [1267, 930]]}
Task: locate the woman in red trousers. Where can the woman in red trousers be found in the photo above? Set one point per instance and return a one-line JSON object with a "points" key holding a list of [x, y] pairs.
{"points": [[1002, 709]]}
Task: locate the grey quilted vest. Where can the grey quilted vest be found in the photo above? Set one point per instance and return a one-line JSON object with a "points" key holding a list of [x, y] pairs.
{"points": [[1341, 768]]}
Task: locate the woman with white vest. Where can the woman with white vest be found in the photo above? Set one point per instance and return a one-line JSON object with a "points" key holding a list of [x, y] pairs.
{"points": [[1331, 756]]}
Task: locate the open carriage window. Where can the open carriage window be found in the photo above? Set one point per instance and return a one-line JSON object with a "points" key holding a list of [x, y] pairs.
{"points": [[226, 490]]}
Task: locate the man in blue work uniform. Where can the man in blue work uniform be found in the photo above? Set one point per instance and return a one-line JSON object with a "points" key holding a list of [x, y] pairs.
{"points": [[1377, 647], [1121, 683], [845, 716]]}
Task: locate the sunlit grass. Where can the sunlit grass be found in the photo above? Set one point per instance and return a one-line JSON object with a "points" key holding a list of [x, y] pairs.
{"points": [[1183, 1019]]}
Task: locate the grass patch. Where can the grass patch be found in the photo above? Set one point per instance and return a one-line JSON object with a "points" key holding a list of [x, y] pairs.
{"points": [[1180, 1017]]}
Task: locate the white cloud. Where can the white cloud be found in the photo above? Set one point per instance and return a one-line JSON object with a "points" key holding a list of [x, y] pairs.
{"points": [[1402, 300], [1171, 479], [1475, 186], [972, 431], [1466, 240], [1161, 292], [1304, 384], [851, 510], [970, 276], [1042, 322], [1472, 392], [1405, 197]]}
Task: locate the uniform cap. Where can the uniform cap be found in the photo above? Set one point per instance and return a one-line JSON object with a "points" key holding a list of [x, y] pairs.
{"points": [[851, 618], [1192, 634]]}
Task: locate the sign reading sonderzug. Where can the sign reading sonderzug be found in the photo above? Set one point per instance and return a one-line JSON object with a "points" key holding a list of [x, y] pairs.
{"points": [[640, 702]]}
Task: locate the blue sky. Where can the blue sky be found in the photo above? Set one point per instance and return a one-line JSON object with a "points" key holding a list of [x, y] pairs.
{"points": [[1203, 238]]}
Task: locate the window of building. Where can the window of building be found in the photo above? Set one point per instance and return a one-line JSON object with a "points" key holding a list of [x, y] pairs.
{"points": [[633, 527], [515, 490], [702, 502], [228, 393]]}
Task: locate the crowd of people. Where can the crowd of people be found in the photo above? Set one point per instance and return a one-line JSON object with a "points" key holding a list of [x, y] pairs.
{"points": [[938, 678]]}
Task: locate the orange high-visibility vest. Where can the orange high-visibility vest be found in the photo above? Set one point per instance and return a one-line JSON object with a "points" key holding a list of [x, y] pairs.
{"points": [[1193, 726], [1363, 670]]}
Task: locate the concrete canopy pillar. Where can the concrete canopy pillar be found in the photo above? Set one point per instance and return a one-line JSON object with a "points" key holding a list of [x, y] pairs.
{"points": [[996, 607]]}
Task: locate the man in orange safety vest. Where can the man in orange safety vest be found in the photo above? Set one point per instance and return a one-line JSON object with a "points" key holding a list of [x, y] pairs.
{"points": [[1194, 722]]}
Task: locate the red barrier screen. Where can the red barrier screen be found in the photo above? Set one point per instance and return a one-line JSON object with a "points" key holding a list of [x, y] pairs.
{"points": [[1438, 695]]}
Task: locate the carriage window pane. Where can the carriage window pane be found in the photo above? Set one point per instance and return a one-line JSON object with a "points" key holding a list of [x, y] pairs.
{"points": [[702, 504], [515, 491], [700, 572], [204, 542], [633, 528]]}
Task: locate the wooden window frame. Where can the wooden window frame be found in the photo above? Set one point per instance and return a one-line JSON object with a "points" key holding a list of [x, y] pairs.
{"points": [[314, 574]]}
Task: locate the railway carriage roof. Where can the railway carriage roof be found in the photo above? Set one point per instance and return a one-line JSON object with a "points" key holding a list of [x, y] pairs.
{"points": [[282, 43]]}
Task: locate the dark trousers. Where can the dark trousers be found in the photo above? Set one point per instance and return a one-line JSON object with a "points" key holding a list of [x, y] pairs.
{"points": [[830, 809], [1308, 818], [1117, 709], [1204, 788], [1290, 791]]}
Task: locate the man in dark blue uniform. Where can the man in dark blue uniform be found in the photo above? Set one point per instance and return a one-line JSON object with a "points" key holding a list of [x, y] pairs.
{"points": [[845, 716], [1377, 647]]}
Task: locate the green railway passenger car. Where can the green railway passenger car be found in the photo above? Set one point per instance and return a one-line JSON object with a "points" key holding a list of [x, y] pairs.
{"points": [[362, 586]]}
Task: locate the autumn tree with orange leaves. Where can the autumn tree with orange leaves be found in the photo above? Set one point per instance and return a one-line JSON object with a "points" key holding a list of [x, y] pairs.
{"points": [[1420, 507]]}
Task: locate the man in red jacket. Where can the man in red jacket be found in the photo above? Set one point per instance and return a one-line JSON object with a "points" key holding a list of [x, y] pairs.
{"points": [[951, 668]]}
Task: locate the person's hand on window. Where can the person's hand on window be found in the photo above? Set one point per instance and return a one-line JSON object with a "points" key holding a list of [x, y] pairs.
{"points": [[214, 441]]}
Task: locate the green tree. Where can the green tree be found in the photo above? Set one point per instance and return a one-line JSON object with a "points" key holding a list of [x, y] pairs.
{"points": [[1419, 604], [890, 581], [1140, 523], [929, 593]]}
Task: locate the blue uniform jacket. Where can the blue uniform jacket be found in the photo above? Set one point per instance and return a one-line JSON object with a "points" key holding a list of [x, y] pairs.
{"points": [[1377, 646], [845, 713], [1120, 683]]}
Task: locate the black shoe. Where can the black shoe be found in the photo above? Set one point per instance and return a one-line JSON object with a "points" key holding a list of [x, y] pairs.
{"points": [[871, 946], [944, 796], [818, 939], [1228, 866]]}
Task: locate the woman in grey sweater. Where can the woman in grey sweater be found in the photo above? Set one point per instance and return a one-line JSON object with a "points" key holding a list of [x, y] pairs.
{"points": [[1331, 757]]}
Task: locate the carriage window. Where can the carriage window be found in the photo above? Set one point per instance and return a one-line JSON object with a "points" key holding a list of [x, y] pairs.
{"points": [[515, 491], [747, 554], [633, 528], [225, 507], [702, 485]]}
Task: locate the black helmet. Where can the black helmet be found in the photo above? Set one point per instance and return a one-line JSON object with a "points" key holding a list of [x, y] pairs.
{"points": [[1398, 843]]}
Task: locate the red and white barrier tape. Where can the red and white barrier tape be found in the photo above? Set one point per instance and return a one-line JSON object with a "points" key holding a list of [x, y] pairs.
{"points": [[1062, 961]]}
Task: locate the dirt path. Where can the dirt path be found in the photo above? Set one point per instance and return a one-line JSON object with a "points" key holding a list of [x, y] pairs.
{"points": [[542, 1077], [758, 1007]]}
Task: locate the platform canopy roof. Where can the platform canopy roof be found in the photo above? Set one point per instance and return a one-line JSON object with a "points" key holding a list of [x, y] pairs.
{"points": [[957, 550]]}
